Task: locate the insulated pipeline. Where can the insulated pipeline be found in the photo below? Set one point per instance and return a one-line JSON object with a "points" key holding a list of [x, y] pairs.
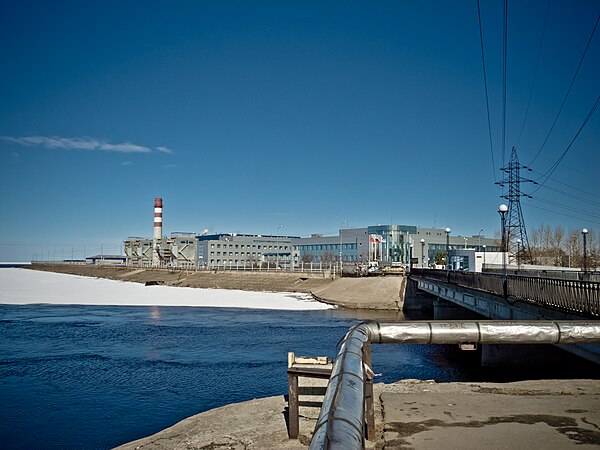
{"points": [[341, 422]]}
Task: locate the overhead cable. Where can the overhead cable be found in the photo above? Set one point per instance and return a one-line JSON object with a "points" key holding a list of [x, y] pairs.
{"points": [[568, 91], [537, 62], [487, 101], [573, 196], [552, 168], [567, 207], [505, 36], [568, 185], [587, 220]]}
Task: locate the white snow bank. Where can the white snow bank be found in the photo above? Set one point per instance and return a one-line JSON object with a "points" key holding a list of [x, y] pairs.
{"points": [[23, 286]]}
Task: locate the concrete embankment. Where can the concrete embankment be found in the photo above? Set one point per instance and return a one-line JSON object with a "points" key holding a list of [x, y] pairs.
{"points": [[382, 293], [364, 293], [549, 414]]}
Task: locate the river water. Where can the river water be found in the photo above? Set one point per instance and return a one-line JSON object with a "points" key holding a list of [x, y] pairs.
{"points": [[94, 377]]}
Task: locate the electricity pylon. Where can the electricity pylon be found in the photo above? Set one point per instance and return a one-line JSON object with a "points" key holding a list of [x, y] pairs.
{"points": [[515, 224]]}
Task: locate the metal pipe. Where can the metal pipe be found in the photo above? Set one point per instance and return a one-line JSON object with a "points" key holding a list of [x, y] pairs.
{"points": [[341, 421]]}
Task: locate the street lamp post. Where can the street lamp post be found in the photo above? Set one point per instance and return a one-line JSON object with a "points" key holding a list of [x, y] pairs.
{"points": [[584, 233], [422, 253], [341, 247], [518, 254], [502, 209], [479, 236], [410, 256], [482, 267], [277, 246], [448, 230]]}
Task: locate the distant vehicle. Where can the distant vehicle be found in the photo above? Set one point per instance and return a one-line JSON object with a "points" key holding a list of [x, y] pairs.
{"points": [[374, 267], [393, 271]]}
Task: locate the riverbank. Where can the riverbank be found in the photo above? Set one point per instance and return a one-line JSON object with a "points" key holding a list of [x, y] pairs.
{"points": [[378, 293], [549, 414]]}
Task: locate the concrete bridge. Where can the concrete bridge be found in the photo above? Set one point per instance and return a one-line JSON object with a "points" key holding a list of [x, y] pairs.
{"points": [[457, 295]]}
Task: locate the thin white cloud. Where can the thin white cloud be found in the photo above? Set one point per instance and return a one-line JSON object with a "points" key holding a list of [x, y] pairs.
{"points": [[81, 143], [127, 163]]}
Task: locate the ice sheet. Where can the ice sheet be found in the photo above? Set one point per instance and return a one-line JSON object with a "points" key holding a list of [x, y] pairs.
{"points": [[23, 286]]}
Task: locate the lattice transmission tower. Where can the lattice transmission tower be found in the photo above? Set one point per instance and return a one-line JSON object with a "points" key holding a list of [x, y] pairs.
{"points": [[515, 224]]}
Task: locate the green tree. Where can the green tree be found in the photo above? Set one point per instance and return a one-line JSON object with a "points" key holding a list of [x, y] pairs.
{"points": [[440, 258]]}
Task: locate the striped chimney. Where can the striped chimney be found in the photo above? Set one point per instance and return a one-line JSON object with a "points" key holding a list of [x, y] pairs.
{"points": [[157, 218]]}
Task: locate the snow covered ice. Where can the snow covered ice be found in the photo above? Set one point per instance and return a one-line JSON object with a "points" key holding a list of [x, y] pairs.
{"points": [[23, 286]]}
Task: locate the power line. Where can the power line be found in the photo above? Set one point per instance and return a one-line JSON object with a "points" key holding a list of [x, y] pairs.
{"points": [[537, 62], [552, 168], [568, 208], [567, 185], [568, 91], [505, 28], [584, 200], [487, 101], [563, 214]]}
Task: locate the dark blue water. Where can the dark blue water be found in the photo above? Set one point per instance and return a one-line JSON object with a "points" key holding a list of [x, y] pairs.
{"points": [[99, 376]]}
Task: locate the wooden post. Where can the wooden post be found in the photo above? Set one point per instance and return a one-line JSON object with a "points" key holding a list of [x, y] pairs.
{"points": [[293, 406], [293, 413], [369, 408]]}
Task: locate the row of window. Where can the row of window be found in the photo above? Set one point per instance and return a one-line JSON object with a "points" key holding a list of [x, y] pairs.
{"points": [[237, 254], [270, 247], [237, 261], [321, 247]]}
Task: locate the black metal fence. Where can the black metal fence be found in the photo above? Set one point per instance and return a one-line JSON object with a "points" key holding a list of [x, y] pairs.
{"points": [[579, 297]]}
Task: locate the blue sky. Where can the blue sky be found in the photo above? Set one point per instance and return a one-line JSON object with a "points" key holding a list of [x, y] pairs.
{"points": [[248, 115]]}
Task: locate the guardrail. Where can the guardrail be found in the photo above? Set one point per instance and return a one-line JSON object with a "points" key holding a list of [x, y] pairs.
{"points": [[341, 422], [580, 297]]}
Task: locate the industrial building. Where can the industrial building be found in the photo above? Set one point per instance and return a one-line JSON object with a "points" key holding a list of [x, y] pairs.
{"points": [[389, 245], [352, 245], [243, 250], [180, 250], [428, 242]]}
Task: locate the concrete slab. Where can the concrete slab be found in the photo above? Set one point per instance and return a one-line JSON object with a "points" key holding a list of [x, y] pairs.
{"points": [[550, 414]]}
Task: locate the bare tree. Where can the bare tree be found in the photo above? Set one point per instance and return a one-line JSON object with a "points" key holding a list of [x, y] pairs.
{"points": [[327, 258], [555, 246], [307, 258]]}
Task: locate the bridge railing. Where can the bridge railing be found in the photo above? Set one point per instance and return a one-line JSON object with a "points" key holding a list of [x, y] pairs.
{"points": [[580, 297]]}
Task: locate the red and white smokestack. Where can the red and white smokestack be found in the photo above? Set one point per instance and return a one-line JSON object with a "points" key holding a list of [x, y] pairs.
{"points": [[157, 218]]}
